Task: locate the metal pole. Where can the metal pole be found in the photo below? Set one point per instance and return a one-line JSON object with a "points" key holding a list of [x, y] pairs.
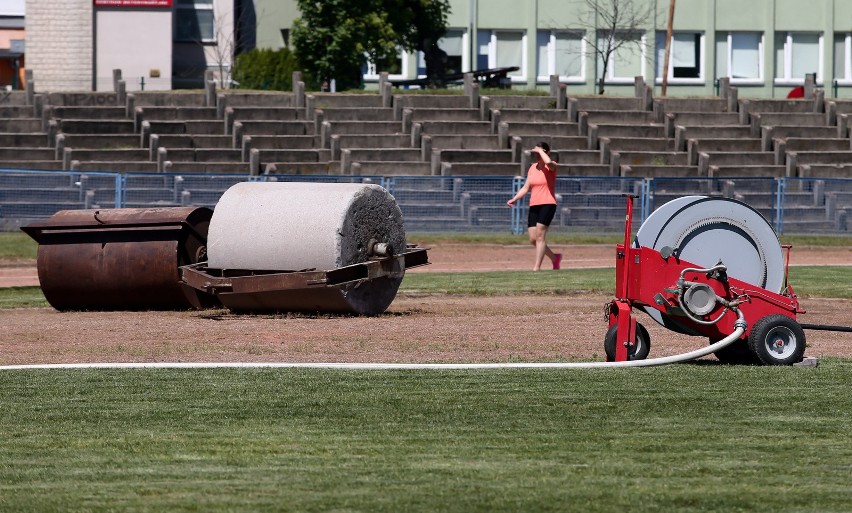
{"points": [[668, 47]]}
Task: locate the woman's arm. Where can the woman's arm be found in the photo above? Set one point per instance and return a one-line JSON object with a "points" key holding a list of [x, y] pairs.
{"points": [[521, 193]]}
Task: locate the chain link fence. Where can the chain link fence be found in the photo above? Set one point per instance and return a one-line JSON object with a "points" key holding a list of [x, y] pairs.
{"points": [[444, 204]]}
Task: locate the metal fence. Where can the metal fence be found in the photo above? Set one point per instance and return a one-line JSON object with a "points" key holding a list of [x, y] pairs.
{"points": [[444, 203]]}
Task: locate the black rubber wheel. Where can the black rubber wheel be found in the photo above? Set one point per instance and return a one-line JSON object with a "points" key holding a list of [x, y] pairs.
{"points": [[777, 340], [737, 353], [637, 352]]}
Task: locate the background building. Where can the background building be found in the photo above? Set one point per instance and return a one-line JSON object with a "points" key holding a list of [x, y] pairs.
{"points": [[765, 46], [12, 43]]}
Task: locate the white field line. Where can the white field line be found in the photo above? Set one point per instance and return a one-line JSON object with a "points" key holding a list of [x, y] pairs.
{"points": [[665, 360]]}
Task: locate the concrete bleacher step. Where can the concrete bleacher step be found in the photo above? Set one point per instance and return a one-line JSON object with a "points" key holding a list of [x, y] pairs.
{"points": [[266, 99], [825, 170], [426, 114], [620, 117], [301, 168], [529, 115], [278, 127], [294, 155], [476, 156], [672, 104], [696, 146], [203, 155], [282, 142], [102, 141], [575, 169], [688, 119], [33, 139], [763, 119], [384, 154], [46, 165], [208, 167], [389, 168], [114, 155], [176, 113], [267, 113], [815, 144], [66, 112], [577, 157], [749, 171], [356, 114], [24, 153], [455, 127], [768, 133], [371, 140], [798, 158], [783, 105], [519, 102], [345, 100], [481, 169], [97, 126], [658, 171], [365, 127], [142, 166], [646, 158], [650, 131], [735, 158], [20, 125], [558, 129], [577, 104], [192, 141], [464, 142], [169, 98], [430, 101], [556, 142], [16, 111]]}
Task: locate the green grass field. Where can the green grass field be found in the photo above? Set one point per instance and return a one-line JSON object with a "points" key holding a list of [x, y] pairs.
{"points": [[699, 437], [692, 438]]}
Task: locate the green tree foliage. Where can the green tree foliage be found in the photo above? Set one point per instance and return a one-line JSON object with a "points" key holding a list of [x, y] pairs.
{"points": [[332, 37], [266, 69]]}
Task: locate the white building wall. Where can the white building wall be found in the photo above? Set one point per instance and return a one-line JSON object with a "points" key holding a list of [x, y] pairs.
{"points": [[60, 44], [139, 43]]}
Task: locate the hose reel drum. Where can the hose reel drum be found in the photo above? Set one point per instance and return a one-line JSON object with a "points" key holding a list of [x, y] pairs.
{"points": [[695, 265]]}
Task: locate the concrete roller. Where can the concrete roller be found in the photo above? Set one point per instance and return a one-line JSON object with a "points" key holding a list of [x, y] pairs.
{"points": [[269, 228]]}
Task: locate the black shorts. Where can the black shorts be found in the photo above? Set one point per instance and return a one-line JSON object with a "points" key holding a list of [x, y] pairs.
{"points": [[541, 214]]}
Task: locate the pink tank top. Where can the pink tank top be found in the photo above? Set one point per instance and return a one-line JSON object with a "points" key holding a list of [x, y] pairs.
{"points": [[542, 185]]}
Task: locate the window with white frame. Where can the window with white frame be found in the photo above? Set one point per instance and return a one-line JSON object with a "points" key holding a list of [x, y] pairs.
{"points": [[739, 55], [454, 43], [194, 21], [627, 60], [502, 49], [397, 69], [561, 53], [796, 55], [686, 60], [843, 58]]}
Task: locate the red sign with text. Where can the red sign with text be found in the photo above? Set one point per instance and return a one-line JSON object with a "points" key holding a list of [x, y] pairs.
{"points": [[133, 3]]}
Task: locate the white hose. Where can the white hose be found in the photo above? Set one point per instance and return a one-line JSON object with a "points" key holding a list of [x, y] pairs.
{"points": [[740, 326]]}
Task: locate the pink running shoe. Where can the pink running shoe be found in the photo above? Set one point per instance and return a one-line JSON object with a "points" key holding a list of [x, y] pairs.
{"points": [[557, 260]]}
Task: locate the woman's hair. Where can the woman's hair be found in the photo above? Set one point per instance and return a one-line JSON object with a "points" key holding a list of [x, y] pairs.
{"points": [[544, 146]]}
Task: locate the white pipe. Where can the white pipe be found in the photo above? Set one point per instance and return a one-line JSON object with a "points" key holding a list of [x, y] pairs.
{"points": [[740, 326]]}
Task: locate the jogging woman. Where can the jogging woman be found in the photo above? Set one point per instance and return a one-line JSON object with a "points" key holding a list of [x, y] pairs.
{"points": [[541, 184]]}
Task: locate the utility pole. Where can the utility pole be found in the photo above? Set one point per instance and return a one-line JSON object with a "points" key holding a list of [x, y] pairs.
{"points": [[668, 47]]}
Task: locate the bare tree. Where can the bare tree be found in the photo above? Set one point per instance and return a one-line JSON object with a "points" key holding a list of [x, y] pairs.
{"points": [[616, 26]]}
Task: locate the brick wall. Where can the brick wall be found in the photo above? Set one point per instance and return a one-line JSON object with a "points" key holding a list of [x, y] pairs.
{"points": [[60, 44]]}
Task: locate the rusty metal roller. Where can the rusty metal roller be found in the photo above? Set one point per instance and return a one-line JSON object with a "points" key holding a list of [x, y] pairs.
{"points": [[292, 226], [121, 259]]}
